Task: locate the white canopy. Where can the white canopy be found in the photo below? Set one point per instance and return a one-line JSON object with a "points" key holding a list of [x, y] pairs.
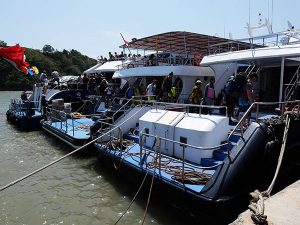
{"points": [[110, 66]]}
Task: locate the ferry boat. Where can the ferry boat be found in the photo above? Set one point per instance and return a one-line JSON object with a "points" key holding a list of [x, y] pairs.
{"points": [[75, 127], [202, 156], [27, 113]]}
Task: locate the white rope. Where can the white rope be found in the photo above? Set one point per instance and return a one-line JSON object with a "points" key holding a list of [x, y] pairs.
{"points": [[65, 156], [287, 125], [257, 205]]}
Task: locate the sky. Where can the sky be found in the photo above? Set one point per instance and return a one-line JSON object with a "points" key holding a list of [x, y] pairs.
{"points": [[93, 27]]}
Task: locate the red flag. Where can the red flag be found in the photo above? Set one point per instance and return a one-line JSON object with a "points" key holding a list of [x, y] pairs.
{"points": [[126, 42], [15, 56]]}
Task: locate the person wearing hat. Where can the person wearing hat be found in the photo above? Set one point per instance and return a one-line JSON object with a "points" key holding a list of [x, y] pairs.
{"points": [[166, 86], [150, 90], [197, 95]]}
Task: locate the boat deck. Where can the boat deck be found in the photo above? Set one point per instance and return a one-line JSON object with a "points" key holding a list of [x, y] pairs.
{"points": [[76, 128], [168, 169], [35, 113]]}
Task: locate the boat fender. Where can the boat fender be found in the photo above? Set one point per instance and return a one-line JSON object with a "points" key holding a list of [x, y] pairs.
{"points": [[197, 58], [271, 146]]}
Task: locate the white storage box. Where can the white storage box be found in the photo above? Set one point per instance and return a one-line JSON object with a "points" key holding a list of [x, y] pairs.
{"points": [[201, 131], [147, 123], [165, 128]]}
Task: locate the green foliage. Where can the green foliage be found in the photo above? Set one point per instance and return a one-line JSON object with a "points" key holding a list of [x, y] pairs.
{"points": [[48, 48], [65, 62], [3, 44]]}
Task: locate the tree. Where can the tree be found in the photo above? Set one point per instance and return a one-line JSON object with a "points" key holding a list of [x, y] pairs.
{"points": [[3, 44], [48, 48]]}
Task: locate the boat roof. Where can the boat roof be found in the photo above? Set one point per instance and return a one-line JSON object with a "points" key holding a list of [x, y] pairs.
{"points": [[109, 66], [92, 69], [266, 50], [182, 42], [259, 56], [156, 71]]}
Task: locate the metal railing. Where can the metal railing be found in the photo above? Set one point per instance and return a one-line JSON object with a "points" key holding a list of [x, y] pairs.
{"points": [[182, 161], [171, 61], [19, 105], [291, 86], [270, 40], [256, 106]]}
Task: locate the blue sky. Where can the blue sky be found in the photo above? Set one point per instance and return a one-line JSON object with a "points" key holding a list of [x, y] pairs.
{"points": [[93, 27]]}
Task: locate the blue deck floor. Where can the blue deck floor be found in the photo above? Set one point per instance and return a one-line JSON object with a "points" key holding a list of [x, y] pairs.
{"points": [[131, 157], [77, 128]]}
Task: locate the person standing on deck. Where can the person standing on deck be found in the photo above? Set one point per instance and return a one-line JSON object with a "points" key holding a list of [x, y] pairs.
{"points": [[130, 92], [85, 81], [247, 98], [197, 95], [151, 89], [166, 86], [209, 93], [44, 81], [55, 76]]}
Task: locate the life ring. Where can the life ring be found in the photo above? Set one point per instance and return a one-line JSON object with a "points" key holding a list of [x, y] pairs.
{"points": [[197, 58], [130, 65]]}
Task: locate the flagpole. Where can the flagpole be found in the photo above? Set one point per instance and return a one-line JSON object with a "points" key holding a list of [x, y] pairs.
{"points": [[125, 43]]}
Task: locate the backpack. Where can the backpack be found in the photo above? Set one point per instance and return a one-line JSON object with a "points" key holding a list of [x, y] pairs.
{"points": [[229, 86], [236, 85]]}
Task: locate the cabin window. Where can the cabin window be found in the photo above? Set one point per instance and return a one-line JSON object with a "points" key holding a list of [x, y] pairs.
{"points": [[183, 140], [146, 130]]}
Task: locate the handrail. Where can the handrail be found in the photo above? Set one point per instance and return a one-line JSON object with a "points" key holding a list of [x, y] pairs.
{"points": [[20, 105], [123, 106], [184, 164], [157, 61], [253, 105], [270, 40], [184, 144], [291, 86]]}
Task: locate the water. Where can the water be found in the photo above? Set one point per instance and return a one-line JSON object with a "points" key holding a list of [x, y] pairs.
{"points": [[75, 191]]}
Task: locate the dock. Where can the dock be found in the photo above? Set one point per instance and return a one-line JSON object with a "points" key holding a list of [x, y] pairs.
{"points": [[282, 208]]}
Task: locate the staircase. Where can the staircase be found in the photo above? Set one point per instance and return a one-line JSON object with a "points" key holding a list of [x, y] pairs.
{"points": [[292, 89], [220, 154]]}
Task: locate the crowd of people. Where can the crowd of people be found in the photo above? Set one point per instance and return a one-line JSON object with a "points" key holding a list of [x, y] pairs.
{"points": [[97, 84], [240, 99], [115, 56], [146, 60]]}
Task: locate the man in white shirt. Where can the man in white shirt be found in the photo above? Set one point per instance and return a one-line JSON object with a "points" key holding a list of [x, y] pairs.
{"points": [[150, 90]]}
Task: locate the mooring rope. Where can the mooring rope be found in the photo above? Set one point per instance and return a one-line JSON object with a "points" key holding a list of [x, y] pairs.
{"points": [[157, 151], [257, 206], [71, 153], [133, 199], [189, 176]]}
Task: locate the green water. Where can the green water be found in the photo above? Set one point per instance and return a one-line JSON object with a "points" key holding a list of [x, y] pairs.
{"points": [[75, 191]]}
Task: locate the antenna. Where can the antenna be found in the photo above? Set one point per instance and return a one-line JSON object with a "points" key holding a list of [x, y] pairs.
{"points": [[249, 22], [272, 15], [269, 26], [249, 30]]}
